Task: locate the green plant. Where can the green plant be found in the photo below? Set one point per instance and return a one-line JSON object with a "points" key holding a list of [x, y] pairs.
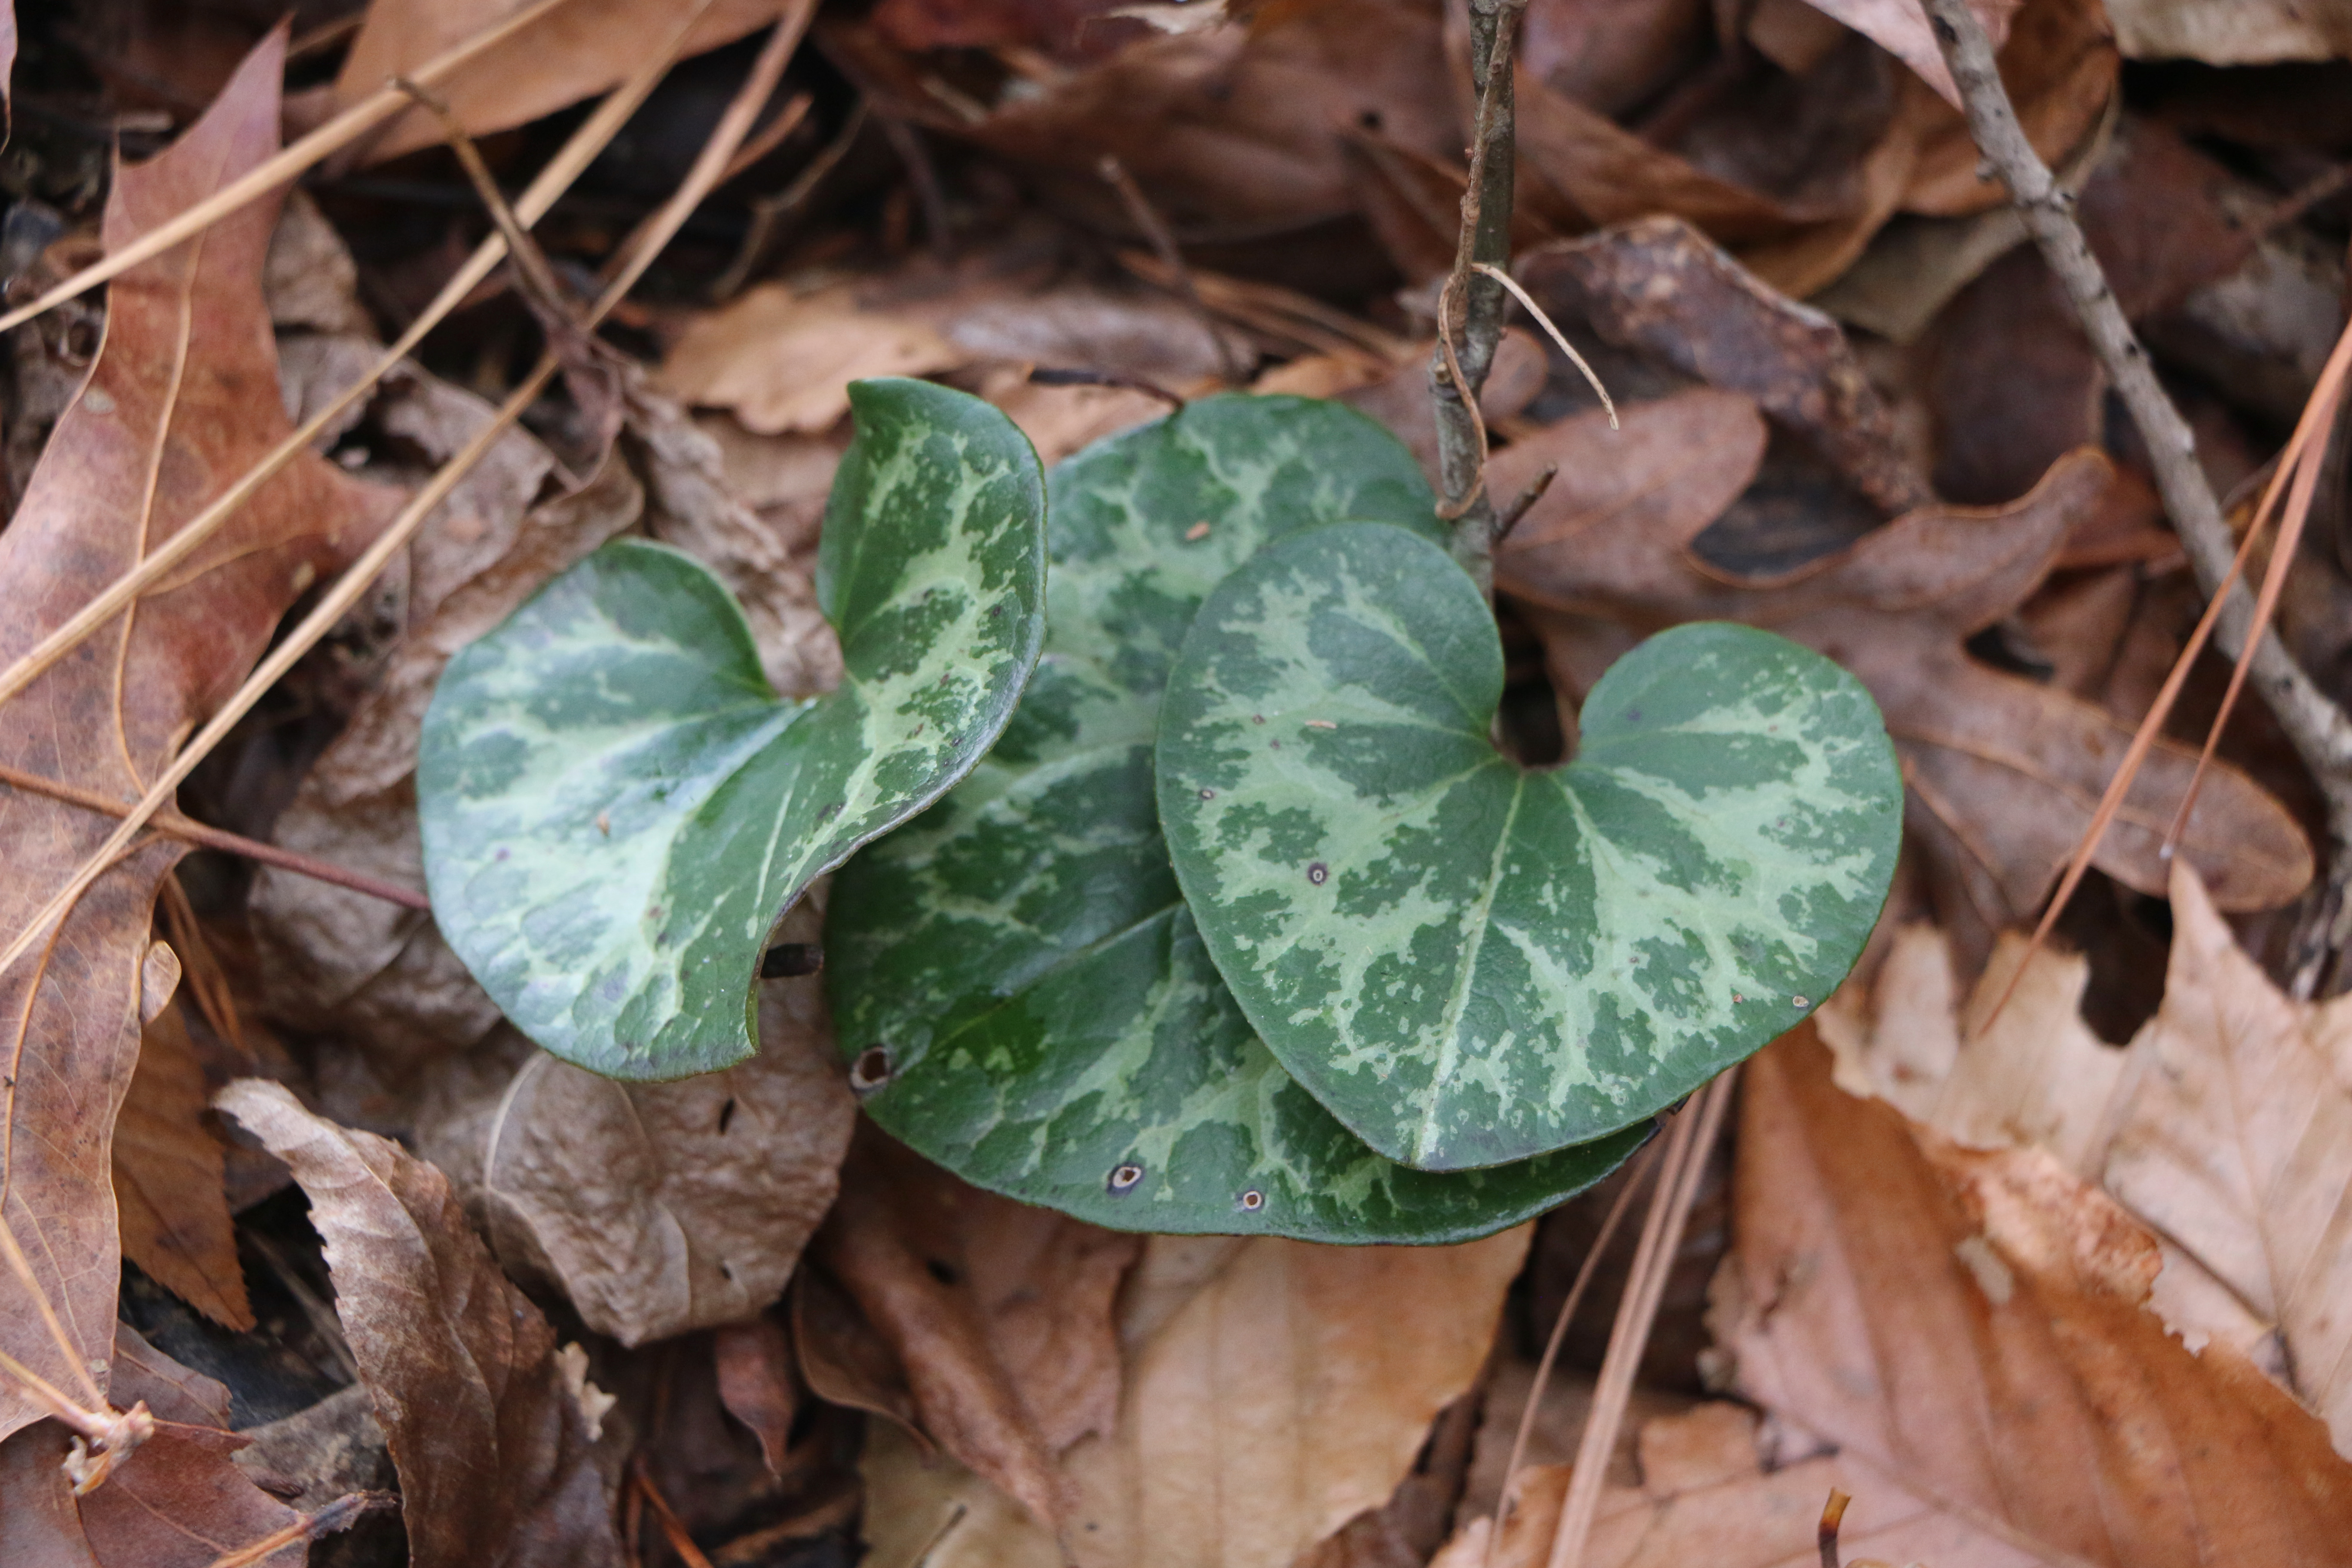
{"points": [[1245, 924], [616, 806]]}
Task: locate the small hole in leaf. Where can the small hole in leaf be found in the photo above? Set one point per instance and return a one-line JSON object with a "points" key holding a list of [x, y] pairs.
{"points": [[726, 1115], [871, 1070], [1318, 873], [727, 1271], [1799, 1002], [943, 1272], [1123, 1177], [1208, 794], [1253, 1200]]}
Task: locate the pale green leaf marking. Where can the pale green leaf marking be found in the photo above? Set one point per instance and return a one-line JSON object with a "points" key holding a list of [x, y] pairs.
{"points": [[1015, 967], [1470, 963], [616, 806]]}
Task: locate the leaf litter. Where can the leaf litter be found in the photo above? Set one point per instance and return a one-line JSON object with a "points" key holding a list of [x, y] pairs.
{"points": [[2057, 1280]]}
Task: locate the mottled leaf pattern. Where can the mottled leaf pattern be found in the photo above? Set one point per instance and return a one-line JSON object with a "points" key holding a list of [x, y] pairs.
{"points": [[616, 806], [1470, 963], [1015, 971]]}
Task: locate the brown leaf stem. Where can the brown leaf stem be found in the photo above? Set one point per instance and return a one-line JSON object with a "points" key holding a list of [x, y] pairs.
{"points": [[1162, 240], [2321, 733], [173, 825]]}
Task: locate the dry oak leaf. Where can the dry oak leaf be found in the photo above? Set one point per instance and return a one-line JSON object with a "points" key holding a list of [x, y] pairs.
{"points": [[1274, 1391], [1704, 1497], [577, 51], [2006, 771], [494, 1448], [998, 1315], [782, 362], [1976, 1324], [665, 1207], [1232, 133], [182, 399], [2235, 1145], [1660, 286], [179, 1501], [169, 1177]]}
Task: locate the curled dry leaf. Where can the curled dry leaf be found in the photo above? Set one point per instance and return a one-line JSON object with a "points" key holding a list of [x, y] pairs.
{"points": [[1703, 1495], [782, 362], [1976, 1325], [1274, 1391], [999, 1314], [1660, 286], [179, 1501], [662, 1207], [579, 49], [2002, 773], [169, 1177], [2236, 1145], [1900, 27], [495, 1452], [754, 1363], [1232, 132], [183, 398]]}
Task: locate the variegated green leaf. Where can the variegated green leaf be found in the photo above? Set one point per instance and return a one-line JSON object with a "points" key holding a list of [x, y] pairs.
{"points": [[616, 806], [1015, 976], [1469, 961]]}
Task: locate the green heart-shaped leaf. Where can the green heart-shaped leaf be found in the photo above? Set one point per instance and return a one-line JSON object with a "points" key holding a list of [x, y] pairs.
{"points": [[1014, 975], [1469, 961], [616, 805]]}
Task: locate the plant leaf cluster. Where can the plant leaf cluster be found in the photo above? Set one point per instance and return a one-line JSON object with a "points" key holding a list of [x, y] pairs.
{"points": [[1245, 924]]}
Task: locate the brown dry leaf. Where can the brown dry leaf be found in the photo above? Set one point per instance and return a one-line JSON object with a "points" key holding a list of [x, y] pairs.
{"points": [[168, 1178], [1976, 1324], [494, 1448], [2244, 32], [1702, 1495], [1232, 132], [1900, 27], [2060, 67], [2003, 773], [665, 1207], [1274, 1391], [578, 50], [781, 362], [1660, 286], [999, 1314], [179, 1501], [183, 398], [754, 1362], [2236, 1145]]}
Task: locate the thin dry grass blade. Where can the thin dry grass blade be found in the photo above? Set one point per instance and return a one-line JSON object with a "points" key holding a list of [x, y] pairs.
{"points": [[2309, 454], [2309, 433], [1648, 1162], [328, 139], [536, 200], [355, 582], [1688, 1145]]}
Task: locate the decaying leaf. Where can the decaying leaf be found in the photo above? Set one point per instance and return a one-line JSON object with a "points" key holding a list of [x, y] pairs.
{"points": [[999, 1315], [754, 1365], [2002, 772], [579, 49], [1976, 1326], [1704, 1496], [664, 1207], [183, 398], [179, 1501], [1901, 28], [1274, 1391], [497, 1459], [782, 362], [168, 1178]]}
